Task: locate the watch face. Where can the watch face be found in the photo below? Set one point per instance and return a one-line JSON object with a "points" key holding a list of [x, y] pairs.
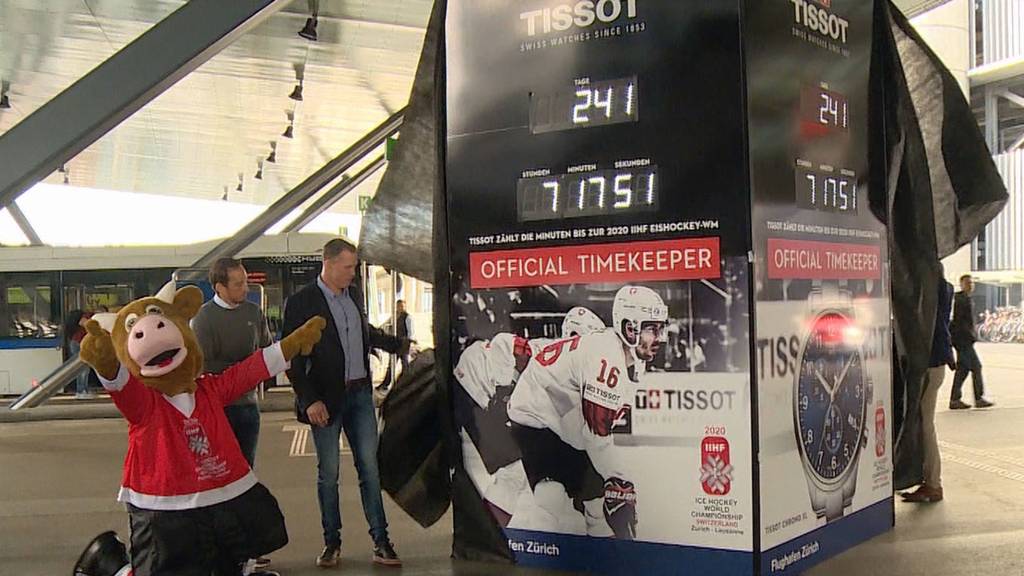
{"points": [[830, 400]]}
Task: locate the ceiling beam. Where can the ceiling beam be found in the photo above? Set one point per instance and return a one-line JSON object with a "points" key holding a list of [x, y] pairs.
{"points": [[26, 227], [1016, 144], [120, 86], [332, 196], [993, 72], [1012, 97], [304, 191]]}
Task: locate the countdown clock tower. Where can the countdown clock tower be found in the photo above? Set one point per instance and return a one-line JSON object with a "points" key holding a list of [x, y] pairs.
{"points": [[671, 340]]}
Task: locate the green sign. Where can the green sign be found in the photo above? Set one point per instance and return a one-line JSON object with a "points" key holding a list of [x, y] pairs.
{"points": [[364, 203]]}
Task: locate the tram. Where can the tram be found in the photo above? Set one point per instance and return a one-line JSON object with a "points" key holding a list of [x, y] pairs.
{"points": [[40, 286]]}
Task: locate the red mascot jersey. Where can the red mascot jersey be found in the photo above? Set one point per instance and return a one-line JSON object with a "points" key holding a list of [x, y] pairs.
{"points": [[182, 452]]}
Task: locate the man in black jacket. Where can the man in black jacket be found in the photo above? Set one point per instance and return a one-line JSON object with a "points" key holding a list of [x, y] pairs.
{"points": [[333, 392], [964, 335]]}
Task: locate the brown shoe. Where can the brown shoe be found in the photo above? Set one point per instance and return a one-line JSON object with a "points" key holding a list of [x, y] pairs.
{"points": [[924, 494]]}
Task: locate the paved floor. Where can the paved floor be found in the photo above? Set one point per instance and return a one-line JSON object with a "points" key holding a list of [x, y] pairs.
{"points": [[58, 478]]}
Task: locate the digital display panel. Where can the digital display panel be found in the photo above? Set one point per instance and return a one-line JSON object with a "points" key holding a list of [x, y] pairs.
{"points": [[588, 193], [823, 111], [585, 104], [825, 188]]}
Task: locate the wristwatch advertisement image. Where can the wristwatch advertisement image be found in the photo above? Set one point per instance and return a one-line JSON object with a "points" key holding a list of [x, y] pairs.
{"points": [[822, 369], [831, 396]]}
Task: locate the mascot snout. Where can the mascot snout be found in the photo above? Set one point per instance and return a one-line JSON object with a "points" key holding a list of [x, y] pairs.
{"points": [[156, 344]]}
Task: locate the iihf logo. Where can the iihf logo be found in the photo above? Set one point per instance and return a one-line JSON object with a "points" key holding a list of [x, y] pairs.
{"points": [[715, 469], [196, 437]]}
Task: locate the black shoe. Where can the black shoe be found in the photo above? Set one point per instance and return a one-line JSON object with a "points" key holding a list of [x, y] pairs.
{"points": [[384, 554], [329, 557], [106, 555], [958, 405], [982, 403]]}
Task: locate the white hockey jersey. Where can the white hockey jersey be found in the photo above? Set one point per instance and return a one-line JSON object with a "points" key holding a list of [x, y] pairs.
{"points": [[487, 364], [576, 387]]}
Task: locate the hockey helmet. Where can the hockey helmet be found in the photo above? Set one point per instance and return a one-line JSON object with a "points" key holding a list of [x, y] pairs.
{"points": [[637, 305], [581, 320]]}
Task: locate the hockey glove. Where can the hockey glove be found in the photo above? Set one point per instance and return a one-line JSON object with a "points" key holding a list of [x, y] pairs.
{"points": [[620, 507]]}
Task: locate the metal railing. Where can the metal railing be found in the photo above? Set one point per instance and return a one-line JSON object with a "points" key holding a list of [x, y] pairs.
{"points": [[1004, 235], [1001, 37]]}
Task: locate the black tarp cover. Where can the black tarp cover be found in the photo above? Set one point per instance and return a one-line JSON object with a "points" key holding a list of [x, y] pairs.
{"points": [[936, 186], [405, 229]]}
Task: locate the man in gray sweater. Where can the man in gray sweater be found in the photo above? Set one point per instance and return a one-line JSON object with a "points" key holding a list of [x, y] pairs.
{"points": [[230, 328]]}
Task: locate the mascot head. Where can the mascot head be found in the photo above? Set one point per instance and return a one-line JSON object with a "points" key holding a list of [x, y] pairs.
{"points": [[153, 340]]}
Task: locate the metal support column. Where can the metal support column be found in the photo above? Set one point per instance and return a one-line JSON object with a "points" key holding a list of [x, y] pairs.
{"points": [[121, 85], [394, 323], [24, 224], [992, 120]]}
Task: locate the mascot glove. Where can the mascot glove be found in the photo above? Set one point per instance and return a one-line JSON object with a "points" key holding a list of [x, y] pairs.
{"points": [[301, 341], [98, 351]]}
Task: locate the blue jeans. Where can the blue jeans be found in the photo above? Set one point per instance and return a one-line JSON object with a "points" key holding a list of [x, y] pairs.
{"points": [[82, 380], [359, 422], [245, 422]]}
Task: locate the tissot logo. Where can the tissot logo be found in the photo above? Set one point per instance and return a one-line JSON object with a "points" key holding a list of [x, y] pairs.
{"points": [[580, 14], [653, 399], [816, 16]]}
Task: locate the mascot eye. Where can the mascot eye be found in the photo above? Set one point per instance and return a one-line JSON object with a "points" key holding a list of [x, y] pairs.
{"points": [[131, 320], [153, 309]]}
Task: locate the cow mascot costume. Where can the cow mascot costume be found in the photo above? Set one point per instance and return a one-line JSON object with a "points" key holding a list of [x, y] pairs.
{"points": [[195, 506]]}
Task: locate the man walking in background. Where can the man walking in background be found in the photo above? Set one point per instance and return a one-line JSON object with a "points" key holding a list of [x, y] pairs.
{"points": [[404, 331], [964, 335]]}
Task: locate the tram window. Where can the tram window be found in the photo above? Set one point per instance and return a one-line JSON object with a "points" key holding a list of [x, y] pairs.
{"points": [[27, 306], [110, 297]]}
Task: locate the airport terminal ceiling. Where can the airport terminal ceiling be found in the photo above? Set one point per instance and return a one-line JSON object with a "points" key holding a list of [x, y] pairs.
{"points": [[211, 131]]}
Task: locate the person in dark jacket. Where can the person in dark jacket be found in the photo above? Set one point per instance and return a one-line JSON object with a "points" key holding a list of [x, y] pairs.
{"points": [[942, 356], [74, 332], [404, 330], [964, 334], [333, 393]]}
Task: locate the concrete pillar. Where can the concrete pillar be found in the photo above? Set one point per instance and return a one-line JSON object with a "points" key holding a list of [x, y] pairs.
{"points": [[947, 30]]}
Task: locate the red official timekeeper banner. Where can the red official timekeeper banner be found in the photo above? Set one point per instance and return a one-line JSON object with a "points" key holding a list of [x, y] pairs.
{"points": [[683, 259], [822, 260]]}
